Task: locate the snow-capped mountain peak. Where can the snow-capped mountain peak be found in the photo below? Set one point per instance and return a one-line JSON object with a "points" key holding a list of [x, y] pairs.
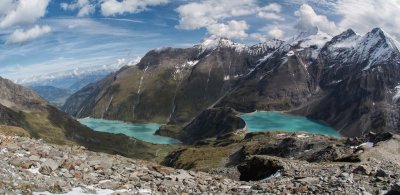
{"points": [[373, 49], [390, 41], [347, 35], [211, 43], [378, 37], [376, 47]]}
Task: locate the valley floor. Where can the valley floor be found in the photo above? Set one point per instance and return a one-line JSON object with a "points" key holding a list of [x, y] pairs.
{"points": [[32, 166]]}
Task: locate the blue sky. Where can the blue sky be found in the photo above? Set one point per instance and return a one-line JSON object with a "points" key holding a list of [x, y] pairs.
{"points": [[44, 38]]}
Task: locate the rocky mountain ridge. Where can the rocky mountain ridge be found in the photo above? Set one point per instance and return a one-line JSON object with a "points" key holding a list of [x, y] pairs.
{"points": [[348, 81], [168, 85]]}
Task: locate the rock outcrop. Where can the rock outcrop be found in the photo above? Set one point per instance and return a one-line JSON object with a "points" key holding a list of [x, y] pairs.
{"points": [[211, 123], [294, 163]]}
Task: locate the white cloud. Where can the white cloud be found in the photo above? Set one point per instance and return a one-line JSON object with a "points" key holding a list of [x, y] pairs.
{"points": [[271, 31], [270, 16], [221, 16], [20, 36], [5, 6], [197, 15], [118, 7], [271, 12], [258, 36], [309, 20], [273, 7], [364, 15], [85, 7], [22, 11], [134, 61], [276, 33], [233, 29]]}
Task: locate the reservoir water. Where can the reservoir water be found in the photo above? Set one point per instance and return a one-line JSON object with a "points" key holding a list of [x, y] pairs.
{"points": [[269, 121], [143, 132]]}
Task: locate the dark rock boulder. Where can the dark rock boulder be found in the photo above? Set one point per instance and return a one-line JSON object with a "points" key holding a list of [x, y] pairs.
{"points": [[258, 168], [395, 190], [378, 137], [331, 153]]}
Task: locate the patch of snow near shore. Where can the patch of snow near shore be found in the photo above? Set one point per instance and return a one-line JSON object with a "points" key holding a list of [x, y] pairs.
{"points": [[302, 136]]}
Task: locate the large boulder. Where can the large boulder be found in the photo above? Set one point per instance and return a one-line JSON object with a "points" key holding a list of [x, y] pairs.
{"points": [[259, 167]]}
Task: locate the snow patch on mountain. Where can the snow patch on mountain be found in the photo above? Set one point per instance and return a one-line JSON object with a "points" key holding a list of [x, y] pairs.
{"points": [[397, 93], [192, 63], [180, 68], [348, 43]]}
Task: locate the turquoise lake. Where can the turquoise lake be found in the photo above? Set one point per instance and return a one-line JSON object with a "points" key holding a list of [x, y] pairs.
{"points": [[143, 132], [269, 121]]}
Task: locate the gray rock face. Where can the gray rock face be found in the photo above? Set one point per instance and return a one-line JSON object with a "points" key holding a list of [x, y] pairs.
{"points": [[19, 98]]}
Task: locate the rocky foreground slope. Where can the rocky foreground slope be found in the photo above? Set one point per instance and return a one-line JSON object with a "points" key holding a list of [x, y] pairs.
{"points": [[32, 166]]}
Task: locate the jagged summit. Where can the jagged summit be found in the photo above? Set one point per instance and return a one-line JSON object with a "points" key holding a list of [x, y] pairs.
{"points": [[376, 47], [389, 40], [213, 43], [346, 35]]}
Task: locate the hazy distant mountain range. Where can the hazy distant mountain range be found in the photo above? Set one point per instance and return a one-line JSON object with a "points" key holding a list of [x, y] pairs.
{"points": [[57, 88]]}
